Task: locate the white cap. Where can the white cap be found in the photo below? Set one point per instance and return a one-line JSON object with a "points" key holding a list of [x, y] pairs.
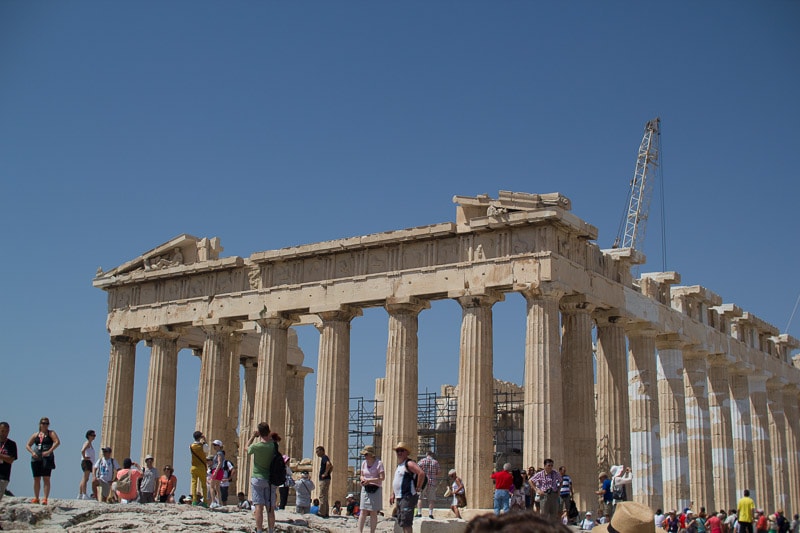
{"points": [[217, 442]]}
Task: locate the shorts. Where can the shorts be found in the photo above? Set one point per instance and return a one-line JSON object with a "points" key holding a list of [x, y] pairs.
{"points": [[223, 491], [406, 507], [39, 469], [429, 492], [86, 465], [263, 492], [3, 486]]}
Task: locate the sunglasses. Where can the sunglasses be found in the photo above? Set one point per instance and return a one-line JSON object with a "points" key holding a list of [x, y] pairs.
{"points": [[46, 423]]}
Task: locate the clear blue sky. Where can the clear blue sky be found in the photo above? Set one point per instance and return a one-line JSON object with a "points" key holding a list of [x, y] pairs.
{"points": [[269, 124]]}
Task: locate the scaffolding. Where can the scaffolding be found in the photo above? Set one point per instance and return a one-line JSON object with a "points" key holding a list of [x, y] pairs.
{"points": [[436, 431]]}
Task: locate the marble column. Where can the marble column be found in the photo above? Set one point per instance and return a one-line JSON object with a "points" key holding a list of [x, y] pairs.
{"points": [[577, 371], [270, 400], [118, 411], [741, 429], [762, 456], [543, 434], [158, 431], [613, 416], [247, 428], [295, 409], [231, 440], [475, 416], [672, 416], [402, 377], [212, 397], [645, 430], [331, 418], [777, 439], [723, 472], [698, 431], [792, 412]]}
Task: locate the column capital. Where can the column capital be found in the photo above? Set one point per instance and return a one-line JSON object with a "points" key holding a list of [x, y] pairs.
{"points": [[671, 341], [278, 320], [342, 313], [719, 360], [776, 384], [469, 299], [575, 303], [407, 305], [609, 317], [161, 332], [640, 329], [218, 327], [691, 352], [543, 291], [129, 337]]}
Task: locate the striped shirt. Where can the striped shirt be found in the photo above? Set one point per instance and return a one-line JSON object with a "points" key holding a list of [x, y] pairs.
{"points": [[544, 482]]}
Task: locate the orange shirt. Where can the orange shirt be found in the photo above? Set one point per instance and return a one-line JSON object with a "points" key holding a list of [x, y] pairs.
{"points": [[168, 485], [135, 475]]}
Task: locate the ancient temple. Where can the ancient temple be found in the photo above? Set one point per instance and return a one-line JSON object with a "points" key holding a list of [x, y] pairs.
{"points": [[699, 396]]}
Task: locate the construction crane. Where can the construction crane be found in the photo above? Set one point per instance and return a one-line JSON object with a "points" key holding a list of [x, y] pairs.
{"points": [[634, 220]]}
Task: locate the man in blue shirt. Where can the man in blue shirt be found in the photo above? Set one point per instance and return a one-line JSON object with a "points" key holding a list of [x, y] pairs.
{"points": [[605, 492]]}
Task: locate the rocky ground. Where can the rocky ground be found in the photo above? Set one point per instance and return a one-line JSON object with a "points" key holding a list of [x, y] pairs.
{"points": [[76, 516]]}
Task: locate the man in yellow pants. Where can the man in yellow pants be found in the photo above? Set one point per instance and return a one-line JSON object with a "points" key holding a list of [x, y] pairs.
{"points": [[199, 449]]}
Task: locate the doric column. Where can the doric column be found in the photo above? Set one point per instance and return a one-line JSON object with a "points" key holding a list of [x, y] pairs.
{"points": [[613, 416], [698, 432], [741, 429], [792, 412], [779, 452], [577, 371], [333, 395], [475, 415], [212, 397], [270, 401], [543, 435], [645, 430], [246, 416], [118, 411], [402, 375], [231, 440], [719, 411], [158, 431], [672, 416], [295, 409], [762, 456]]}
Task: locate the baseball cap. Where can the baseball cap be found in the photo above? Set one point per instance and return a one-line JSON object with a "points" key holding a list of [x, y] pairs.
{"points": [[217, 442]]}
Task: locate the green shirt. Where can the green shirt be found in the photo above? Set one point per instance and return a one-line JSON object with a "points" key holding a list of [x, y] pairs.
{"points": [[262, 453]]}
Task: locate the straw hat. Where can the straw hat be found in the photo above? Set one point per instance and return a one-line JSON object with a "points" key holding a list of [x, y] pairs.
{"points": [[402, 446], [629, 517], [368, 450]]}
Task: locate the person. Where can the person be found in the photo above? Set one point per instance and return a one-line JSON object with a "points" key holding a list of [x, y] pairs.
{"points": [[629, 517], [547, 483], [762, 524], [283, 490], [244, 503], [714, 523], [503, 481], [515, 523], [352, 507], [217, 473], [371, 476], [105, 471], [565, 493], [167, 484], [314, 507], [147, 489], [325, 469], [8, 454], [432, 469], [262, 491], [130, 469], [337, 508], [745, 511], [405, 491], [41, 446], [456, 487], [621, 478], [672, 523], [199, 450], [781, 521], [302, 490], [588, 521], [88, 459], [658, 518], [517, 496], [526, 488], [228, 477], [607, 497], [730, 521], [795, 525]]}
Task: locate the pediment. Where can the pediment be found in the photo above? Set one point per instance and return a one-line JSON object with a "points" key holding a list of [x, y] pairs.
{"points": [[182, 250]]}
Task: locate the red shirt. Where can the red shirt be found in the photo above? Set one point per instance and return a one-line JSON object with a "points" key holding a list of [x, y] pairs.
{"points": [[503, 480]]}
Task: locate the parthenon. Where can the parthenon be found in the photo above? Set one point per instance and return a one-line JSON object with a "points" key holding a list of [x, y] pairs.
{"points": [[701, 397]]}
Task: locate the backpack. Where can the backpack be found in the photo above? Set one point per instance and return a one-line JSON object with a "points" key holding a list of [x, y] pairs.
{"points": [[618, 492], [277, 469], [573, 509], [413, 477], [124, 483]]}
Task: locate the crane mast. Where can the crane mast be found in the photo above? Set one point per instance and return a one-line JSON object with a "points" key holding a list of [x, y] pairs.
{"points": [[634, 221]]}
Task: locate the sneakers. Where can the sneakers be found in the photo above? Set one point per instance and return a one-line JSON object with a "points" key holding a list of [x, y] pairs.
{"points": [[213, 505], [35, 500], [418, 515], [430, 516]]}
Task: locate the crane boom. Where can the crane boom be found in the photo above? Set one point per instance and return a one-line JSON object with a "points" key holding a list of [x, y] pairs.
{"points": [[634, 222]]}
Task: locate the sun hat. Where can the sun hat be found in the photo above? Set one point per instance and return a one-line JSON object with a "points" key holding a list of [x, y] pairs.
{"points": [[216, 442], [106, 449], [452, 472], [148, 457], [402, 446], [629, 517], [367, 450]]}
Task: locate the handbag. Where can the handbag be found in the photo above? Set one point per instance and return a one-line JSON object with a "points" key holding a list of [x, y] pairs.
{"points": [[371, 488], [448, 493], [461, 499]]}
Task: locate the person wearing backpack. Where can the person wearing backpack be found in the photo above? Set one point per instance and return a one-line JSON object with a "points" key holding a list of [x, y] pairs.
{"points": [[409, 480], [127, 485], [263, 449]]}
